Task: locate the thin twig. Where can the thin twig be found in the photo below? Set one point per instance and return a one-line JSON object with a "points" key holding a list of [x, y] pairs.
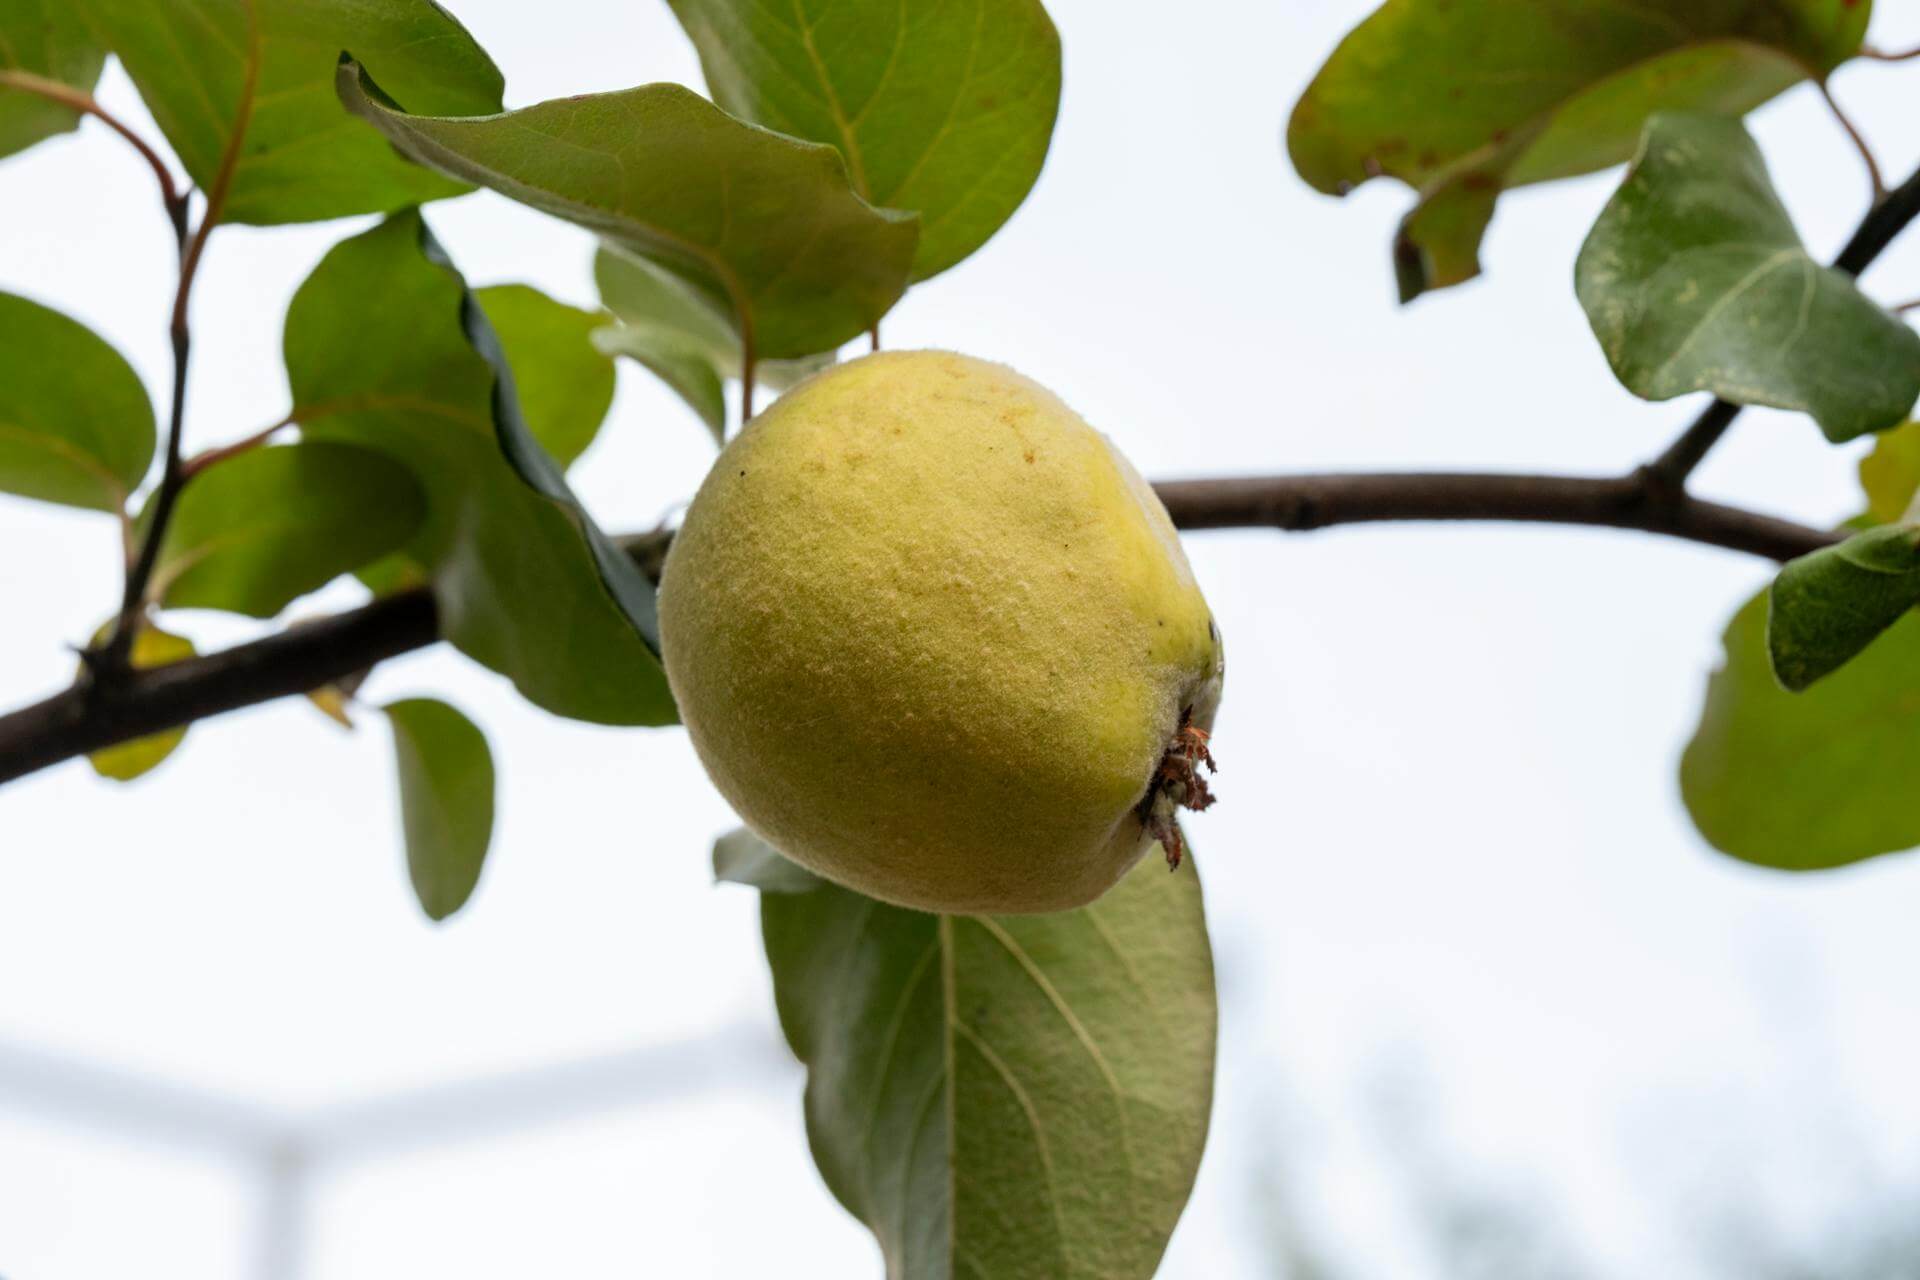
{"points": [[873, 337], [86, 104], [1674, 466], [111, 662], [1881, 55], [1874, 175], [749, 366], [1902, 308], [209, 457]]}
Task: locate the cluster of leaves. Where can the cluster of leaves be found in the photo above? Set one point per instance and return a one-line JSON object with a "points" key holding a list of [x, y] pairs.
{"points": [[971, 1079], [1694, 280]]}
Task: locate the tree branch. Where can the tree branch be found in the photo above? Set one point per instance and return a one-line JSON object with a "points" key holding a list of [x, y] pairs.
{"points": [[88, 717], [86, 104], [1298, 504]]}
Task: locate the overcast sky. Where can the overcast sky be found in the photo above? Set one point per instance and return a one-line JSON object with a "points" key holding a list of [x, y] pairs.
{"points": [[1449, 862]]}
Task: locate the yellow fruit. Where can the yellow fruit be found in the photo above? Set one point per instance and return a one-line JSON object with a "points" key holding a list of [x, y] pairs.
{"points": [[934, 638]]}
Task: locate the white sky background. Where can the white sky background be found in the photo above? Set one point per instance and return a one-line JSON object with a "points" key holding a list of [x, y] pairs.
{"points": [[1450, 849]]}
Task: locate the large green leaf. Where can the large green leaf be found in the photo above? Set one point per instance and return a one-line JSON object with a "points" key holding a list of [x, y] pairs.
{"points": [[1803, 781], [125, 761], [43, 38], [944, 107], [385, 348], [303, 158], [1695, 280], [1004, 1096], [76, 426], [670, 328], [1462, 99], [446, 800], [255, 530], [565, 382], [1831, 604], [767, 227]]}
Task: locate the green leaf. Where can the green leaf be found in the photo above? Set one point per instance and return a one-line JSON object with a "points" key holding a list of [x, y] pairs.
{"points": [[1802, 781], [43, 38], [1890, 474], [1463, 99], [1695, 280], [741, 857], [303, 159], [766, 227], [942, 108], [255, 530], [1829, 605], [446, 800], [671, 329], [76, 426], [385, 349], [1004, 1096], [565, 382], [125, 761]]}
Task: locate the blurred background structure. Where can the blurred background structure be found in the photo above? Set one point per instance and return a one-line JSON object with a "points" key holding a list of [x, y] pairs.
{"points": [[1490, 1009]]}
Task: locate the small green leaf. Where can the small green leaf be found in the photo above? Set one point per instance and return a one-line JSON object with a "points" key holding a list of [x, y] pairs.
{"points": [[255, 530], [1803, 781], [683, 367], [1831, 604], [741, 857], [1890, 474], [1463, 99], [766, 227], [76, 426], [941, 108], [385, 349], [565, 382], [1695, 280], [675, 332], [303, 159], [42, 38], [446, 800], [125, 761], [1004, 1096]]}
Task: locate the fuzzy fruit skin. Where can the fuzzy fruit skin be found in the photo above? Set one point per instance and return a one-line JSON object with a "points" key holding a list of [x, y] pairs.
{"points": [[931, 635]]}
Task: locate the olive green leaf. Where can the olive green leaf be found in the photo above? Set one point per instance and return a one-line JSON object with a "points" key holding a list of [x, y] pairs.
{"points": [[1463, 99], [1831, 604], [741, 857], [386, 349], [1890, 474], [303, 159], [256, 530], [939, 107], [76, 426], [446, 800], [1004, 1096], [1695, 280], [671, 329], [765, 227], [1803, 781], [125, 761], [45, 39], [565, 382]]}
